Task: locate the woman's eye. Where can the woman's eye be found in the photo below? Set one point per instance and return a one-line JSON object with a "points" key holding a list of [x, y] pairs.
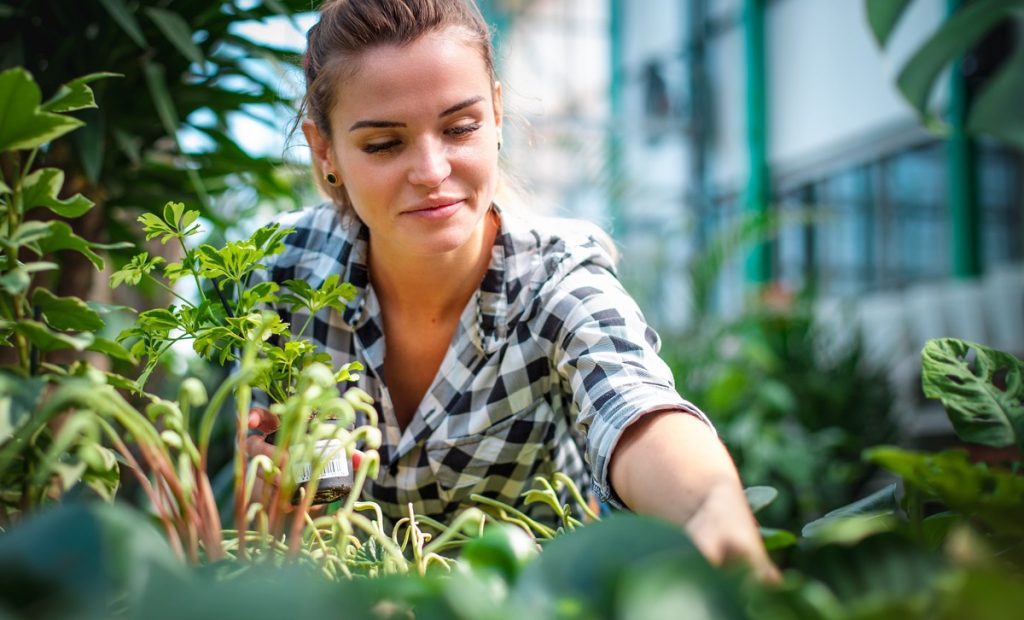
{"points": [[380, 147], [462, 130]]}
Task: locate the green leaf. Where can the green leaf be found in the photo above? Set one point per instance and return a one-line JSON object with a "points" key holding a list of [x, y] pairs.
{"points": [[46, 340], [91, 144], [66, 313], [18, 279], [777, 539], [30, 232], [997, 109], [112, 349], [22, 124], [124, 18], [958, 34], [140, 265], [981, 411], [41, 189], [972, 489], [162, 101], [130, 145], [19, 397], [159, 319], [883, 15], [881, 502], [760, 497], [177, 32], [76, 94], [503, 548], [63, 238], [850, 529]]}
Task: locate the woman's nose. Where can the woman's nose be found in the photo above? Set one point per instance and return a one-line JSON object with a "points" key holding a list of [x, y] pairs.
{"points": [[430, 166]]}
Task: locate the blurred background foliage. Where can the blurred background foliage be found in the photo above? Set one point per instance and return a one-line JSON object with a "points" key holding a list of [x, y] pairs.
{"points": [[165, 130], [185, 69]]}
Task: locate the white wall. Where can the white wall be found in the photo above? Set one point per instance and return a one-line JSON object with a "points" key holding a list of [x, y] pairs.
{"points": [[828, 84]]}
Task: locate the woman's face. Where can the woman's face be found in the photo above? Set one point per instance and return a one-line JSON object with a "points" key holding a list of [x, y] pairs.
{"points": [[415, 142]]}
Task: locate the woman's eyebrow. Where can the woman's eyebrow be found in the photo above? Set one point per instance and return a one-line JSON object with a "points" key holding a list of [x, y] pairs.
{"points": [[461, 105], [389, 124], [375, 124]]}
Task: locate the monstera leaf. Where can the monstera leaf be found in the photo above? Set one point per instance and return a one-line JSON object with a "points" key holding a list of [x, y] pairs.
{"points": [[996, 109], [971, 489], [982, 396]]}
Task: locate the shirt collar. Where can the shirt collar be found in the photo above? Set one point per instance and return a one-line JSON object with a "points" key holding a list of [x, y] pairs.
{"points": [[486, 328]]}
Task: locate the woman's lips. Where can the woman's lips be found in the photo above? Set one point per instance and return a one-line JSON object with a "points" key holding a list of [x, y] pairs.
{"points": [[435, 212]]}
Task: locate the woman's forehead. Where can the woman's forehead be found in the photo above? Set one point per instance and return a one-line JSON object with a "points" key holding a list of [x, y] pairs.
{"points": [[428, 71]]}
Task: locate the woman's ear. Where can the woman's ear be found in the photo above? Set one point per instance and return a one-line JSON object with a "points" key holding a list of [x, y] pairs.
{"points": [[319, 146]]}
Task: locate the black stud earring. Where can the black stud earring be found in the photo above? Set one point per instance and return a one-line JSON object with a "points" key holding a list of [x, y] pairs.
{"points": [[331, 178]]}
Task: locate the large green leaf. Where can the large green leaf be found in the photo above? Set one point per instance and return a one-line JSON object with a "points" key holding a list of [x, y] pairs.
{"points": [[112, 349], [956, 36], [974, 490], [80, 558], [76, 94], [883, 15], [42, 188], [23, 125], [981, 410], [66, 313], [866, 516], [883, 576], [177, 31], [125, 19], [63, 238], [47, 340], [997, 110], [590, 569], [17, 280]]}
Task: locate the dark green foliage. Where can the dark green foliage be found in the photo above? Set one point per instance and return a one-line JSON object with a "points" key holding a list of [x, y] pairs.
{"points": [[995, 110], [173, 58], [794, 411]]}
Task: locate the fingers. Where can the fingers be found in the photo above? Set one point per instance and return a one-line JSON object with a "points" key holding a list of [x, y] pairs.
{"points": [[255, 444], [262, 420]]}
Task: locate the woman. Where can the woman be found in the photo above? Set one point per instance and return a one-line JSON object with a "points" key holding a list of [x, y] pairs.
{"points": [[497, 347]]}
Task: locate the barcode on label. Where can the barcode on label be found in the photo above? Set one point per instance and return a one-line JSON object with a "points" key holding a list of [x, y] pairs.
{"points": [[335, 468]]}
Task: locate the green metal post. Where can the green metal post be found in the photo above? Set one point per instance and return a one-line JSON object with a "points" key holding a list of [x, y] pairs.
{"points": [[616, 180], [961, 161], [759, 266]]}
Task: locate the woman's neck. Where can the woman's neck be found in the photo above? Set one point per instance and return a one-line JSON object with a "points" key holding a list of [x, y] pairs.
{"points": [[431, 289]]}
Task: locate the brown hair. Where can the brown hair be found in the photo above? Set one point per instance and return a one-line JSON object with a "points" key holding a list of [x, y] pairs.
{"points": [[348, 28]]}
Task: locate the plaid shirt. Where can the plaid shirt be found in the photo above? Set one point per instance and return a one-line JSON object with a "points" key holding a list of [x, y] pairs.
{"points": [[551, 360]]}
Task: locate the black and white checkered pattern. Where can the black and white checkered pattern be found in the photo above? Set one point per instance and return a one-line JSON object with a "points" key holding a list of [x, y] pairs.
{"points": [[550, 361]]}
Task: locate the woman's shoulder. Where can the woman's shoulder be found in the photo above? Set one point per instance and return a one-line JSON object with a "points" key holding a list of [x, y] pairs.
{"points": [[320, 218], [553, 245], [317, 232]]}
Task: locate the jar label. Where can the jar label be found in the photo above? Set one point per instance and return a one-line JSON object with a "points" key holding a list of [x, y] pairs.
{"points": [[337, 467]]}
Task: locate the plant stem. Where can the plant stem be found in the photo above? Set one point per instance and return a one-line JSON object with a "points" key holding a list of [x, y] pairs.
{"points": [[191, 263], [306, 324], [19, 301], [169, 290], [172, 535]]}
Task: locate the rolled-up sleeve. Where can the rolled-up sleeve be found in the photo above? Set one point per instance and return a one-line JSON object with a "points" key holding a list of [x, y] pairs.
{"points": [[606, 356]]}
